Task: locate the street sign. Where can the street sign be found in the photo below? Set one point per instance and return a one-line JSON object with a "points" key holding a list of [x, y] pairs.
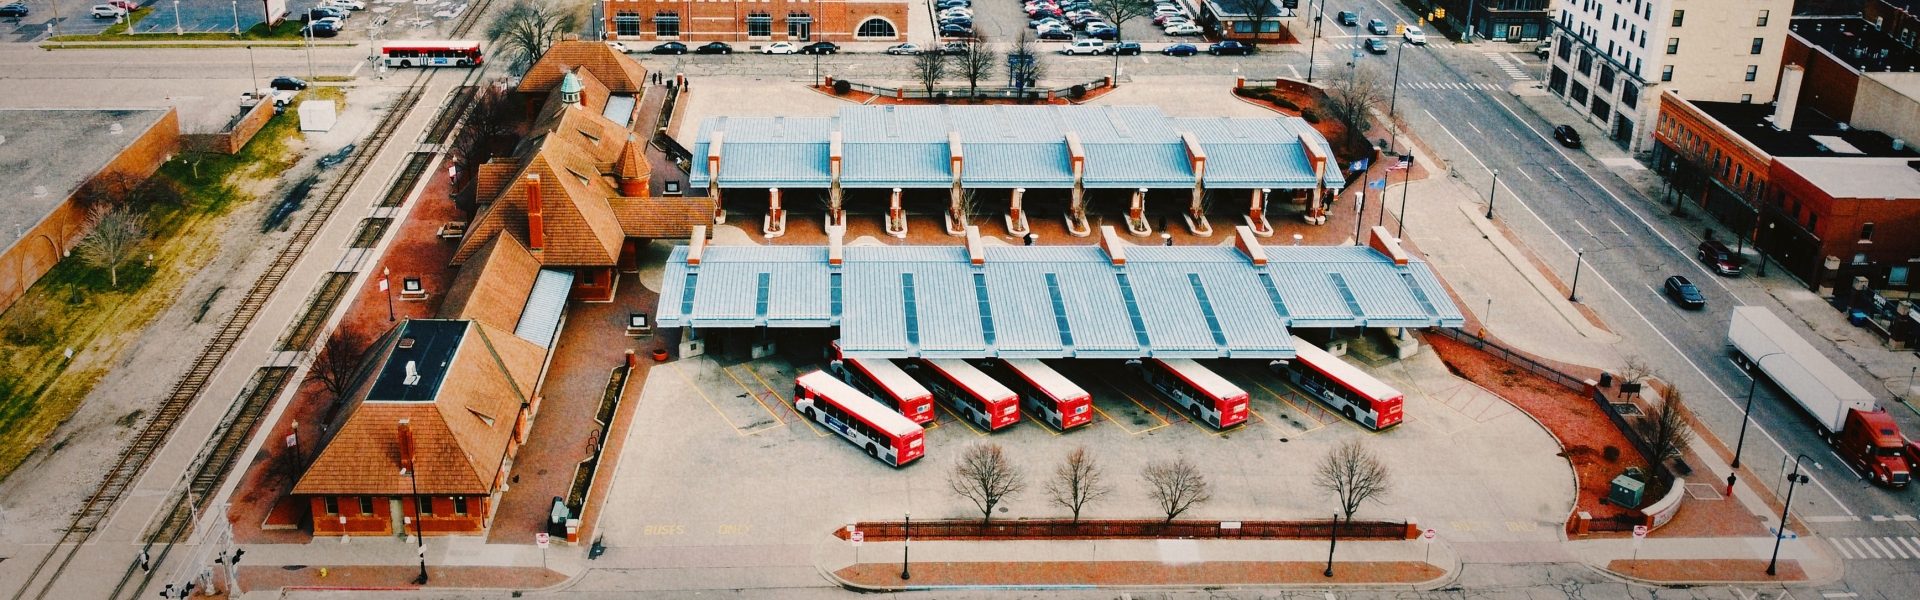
{"points": [[857, 537], [1429, 535], [1639, 532], [540, 539]]}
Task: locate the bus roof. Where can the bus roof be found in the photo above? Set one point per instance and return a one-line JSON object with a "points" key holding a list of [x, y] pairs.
{"points": [[889, 376], [1202, 377], [449, 44], [1332, 366], [1044, 377], [859, 404], [971, 378]]}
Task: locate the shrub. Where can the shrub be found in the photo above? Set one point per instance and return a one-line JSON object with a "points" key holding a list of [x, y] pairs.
{"points": [[1310, 115], [1078, 91], [1283, 102], [842, 87]]}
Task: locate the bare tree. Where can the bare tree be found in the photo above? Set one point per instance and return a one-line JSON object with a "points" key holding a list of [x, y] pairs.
{"points": [[526, 29], [1118, 12], [1666, 428], [339, 360], [929, 67], [113, 236], [1024, 64], [976, 64], [1354, 476], [1176, 485], [1256, 11], [112, 189], [1351, 100], [1078, 482], [986, 477], [1633, 369]]}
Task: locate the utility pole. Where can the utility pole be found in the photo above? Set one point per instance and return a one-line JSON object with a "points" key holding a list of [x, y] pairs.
{"points": [[906, 548], [1492, 192], [1579, 257]]}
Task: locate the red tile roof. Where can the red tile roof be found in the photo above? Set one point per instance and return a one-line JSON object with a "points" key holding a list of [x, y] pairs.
{"points": [[618, 71], [492, 287]]}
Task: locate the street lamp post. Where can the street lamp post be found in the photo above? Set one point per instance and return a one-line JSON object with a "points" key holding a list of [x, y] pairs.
{"points": [[1314, 45], [1393, 97], [1753, 381], [1400, 226], [236, 18], [1360, 213], [906, 548], [176, 19], [1333, 540], [1579, 256], [1781, 533], [386, 285], [419, 529], [1493, 191]]}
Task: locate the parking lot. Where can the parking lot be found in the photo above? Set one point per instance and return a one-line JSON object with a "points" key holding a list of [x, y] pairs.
{"points": [[383, 19], [1003, 20], [719, 457]]}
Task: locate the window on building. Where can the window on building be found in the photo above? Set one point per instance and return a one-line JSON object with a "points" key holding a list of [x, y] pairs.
{"points": [[1678, 16], [1629, 95], [1860, 258], [875, 28], [1601, 109], [1746, 98], [626, 23], [424, 505], [1897, 276], [1757, 44], [666, 23], [1673, 45], [1866, 232], [1753, 71], [759, 25], [1566, 48], [1578, 93], [460, 505], [1666, 73], [1586, 63], [1813, 222], [366, 505], [1557, 81], [1606, 78], [1762, 20], [330, 504], [799, 26]]}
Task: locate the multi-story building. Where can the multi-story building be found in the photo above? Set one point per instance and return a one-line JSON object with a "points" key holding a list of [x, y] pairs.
{"points": [[746, 21], [1612, 58], [1498, 20]]}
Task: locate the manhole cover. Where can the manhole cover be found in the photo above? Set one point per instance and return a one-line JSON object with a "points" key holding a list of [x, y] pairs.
{"points": [[1628, 409]]}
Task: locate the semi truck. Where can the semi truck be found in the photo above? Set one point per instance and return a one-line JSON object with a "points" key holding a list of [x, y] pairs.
{"points": [[1849, 418]]}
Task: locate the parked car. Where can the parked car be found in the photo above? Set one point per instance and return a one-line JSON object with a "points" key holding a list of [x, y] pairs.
{"points": [[344, 4], [1180, 50], [1169, 19], [1229, 48], [1182, 29], [780, 48], [619, 47], [108, 11], [130, 5], [287, 82], [1415, 36], [16, 10], [957, 21], [1104, 32], [1045, 21], [714, 48], [321, 12], [1543, 48], [1055, 34], [907, 49], [1377, 27], [1376, 45], [669, 48], [1685, 293], [956, 11], [954, 49], [953, 3], [1085, 47], [820, 48], [328, 27], [1348, 18], [1721, 258], [956, 30], [1125, 49], [1567, 135]]}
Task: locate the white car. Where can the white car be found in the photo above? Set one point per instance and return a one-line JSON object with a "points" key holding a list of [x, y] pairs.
{"points": [[956, 12], [1085, 46], [780, 48], [619, 47], [1415, 36], [906, 49], [1182, 29], [1168, 9], [108, 11], [346, 4]]}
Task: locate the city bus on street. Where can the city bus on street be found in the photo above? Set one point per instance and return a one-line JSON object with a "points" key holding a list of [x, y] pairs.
{"points": [[1201, 392], [415, 53], [1045, 393], [884, 381], [971, 395], [1342, 386], [870, 425]]}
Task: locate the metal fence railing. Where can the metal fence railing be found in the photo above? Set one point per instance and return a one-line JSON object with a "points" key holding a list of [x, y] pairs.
{"points": [[965, 529]]}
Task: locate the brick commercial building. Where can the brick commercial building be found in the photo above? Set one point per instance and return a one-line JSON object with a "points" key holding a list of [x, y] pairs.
{"points": [[769, 21], [47, 157]]}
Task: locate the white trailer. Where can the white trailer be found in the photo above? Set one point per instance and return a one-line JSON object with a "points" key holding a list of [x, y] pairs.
{"points": [[1807, 376]]}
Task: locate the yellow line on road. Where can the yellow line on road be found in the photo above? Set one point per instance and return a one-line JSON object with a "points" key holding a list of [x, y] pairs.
{"points": [[753, 394], [1116, 422], [703, 396], [976, 430], [787, 403]]}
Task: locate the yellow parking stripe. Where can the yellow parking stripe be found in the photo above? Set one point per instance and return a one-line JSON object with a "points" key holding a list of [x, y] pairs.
{"points": [[703, 396], [976, 430], [753, 394], [787, 402]]}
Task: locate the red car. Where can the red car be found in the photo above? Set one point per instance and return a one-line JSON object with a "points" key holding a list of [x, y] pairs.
{"points": [[130, 5]]}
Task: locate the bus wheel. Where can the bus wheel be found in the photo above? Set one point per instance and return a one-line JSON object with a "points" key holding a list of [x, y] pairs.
{"points": [[872, 451], [1349, 412], [465, 63], [406, 64]]}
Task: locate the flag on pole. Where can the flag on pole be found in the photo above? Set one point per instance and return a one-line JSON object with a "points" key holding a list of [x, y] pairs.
{"points": [[383, 284], [1378, 184]]}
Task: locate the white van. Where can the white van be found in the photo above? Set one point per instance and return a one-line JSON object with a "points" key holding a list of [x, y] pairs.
{"points": [[1085, 47]]}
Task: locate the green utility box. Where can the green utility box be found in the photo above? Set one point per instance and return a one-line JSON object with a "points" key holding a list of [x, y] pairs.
{"points": [[1626, 491]]}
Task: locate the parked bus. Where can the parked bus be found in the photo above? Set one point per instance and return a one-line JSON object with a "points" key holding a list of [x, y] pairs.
{"points": [[404, 54], [884, 434], [1045, 393], [884, 381], [969, 393], [1199, 391], [1344, 387]]}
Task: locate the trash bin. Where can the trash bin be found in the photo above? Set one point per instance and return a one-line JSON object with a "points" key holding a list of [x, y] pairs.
{"points": [[1857, 318]]}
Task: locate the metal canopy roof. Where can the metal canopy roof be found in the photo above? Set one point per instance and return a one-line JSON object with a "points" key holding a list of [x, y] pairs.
{"points": [[1053, 301], [1009, 146]]}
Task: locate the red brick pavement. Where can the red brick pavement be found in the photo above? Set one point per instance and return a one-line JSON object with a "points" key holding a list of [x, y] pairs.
{"points": [[1706, 571], [261, 578], [1117, 573]]}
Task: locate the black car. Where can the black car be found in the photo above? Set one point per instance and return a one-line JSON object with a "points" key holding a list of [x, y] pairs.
{"points": [[961, 21], [289, 83], [946, 4], [1125, 48], [322, 12], [714, 48], [17, 9], [820, 48], [1377, 27], [1348, 18], [1376, 45], [1685, 293], [1055, 34], [1567, 136], [1180, 50], [1230, 48], [956, 30], [325, 29], [669, 48], [1103, 33]]}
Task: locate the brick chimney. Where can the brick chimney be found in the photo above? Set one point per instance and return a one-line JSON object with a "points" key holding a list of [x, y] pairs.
{"points": [[536, 220], [631, 169], [1787, 102], [405, 438]]}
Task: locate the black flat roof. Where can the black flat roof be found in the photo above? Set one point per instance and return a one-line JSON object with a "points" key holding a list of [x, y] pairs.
{"points": [[428, 345], [1856, 41], [1813, 134]]}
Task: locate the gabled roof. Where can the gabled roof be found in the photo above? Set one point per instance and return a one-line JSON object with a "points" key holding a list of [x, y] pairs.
{"points": [[492, 287], [460, 433], [581, 229], [618, 72]]}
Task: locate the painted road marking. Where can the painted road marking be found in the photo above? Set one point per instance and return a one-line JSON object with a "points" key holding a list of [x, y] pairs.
{"points": [[1877, 548]]}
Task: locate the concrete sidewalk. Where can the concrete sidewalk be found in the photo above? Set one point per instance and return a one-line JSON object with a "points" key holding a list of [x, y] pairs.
{"points": [[875, 566]]}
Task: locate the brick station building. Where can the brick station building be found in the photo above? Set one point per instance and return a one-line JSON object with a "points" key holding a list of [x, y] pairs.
{"points": [[769, 21]]}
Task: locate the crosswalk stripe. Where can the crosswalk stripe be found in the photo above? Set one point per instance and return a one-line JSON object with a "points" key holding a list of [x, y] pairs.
{"points": [[1877, 546], [1840, 546], [1896, 547], [1912, 544], [1862, 548]]}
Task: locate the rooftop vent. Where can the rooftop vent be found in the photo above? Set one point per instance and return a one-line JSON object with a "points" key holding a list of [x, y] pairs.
{"points": [[406, 343], [413, 374], [116, 129], [39, 191]]}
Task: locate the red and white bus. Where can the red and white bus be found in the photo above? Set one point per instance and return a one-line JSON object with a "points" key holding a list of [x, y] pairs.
{"points": [[872, 426], [1201, 392], [969, 393], [884, 381], [1349, 390], [413, 53], [1046, 394]]}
